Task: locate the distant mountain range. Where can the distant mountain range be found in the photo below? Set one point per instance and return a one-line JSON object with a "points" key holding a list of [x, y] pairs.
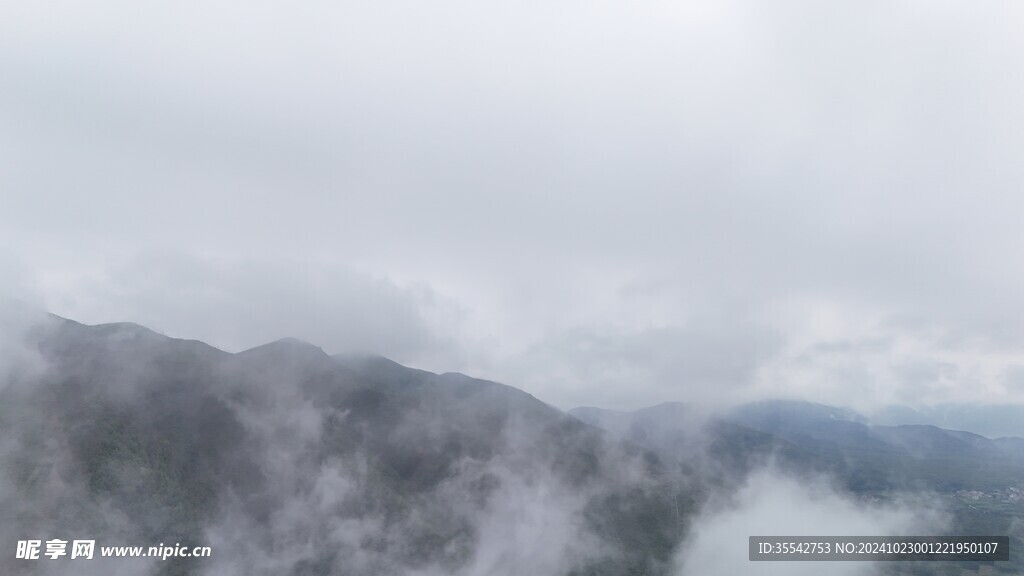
{"points": [[979, 481], [809, 436], [990, 420], [290, 462]]}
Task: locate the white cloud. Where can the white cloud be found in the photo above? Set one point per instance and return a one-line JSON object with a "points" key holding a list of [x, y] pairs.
{"points": [[773, 504]]}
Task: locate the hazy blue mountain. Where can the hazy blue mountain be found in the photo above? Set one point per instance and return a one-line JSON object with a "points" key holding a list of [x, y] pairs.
{"points": [[980, 481], [992, 421], [806, 436]]}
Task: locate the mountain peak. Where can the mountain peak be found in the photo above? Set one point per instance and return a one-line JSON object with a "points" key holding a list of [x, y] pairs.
{"points": [[287, 347], [126, 329], [798, 408]]}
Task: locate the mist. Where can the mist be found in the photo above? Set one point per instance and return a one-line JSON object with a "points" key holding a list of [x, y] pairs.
{"points": [[774, 503]]}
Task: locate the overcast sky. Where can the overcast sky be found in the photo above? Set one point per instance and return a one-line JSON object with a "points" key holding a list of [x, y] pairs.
{"points": [[603, 203]]}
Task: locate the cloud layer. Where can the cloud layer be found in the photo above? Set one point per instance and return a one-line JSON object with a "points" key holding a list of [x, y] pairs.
{"points": [[784, 199]]}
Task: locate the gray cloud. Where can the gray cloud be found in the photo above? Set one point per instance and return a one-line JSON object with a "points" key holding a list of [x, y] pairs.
{"points": [[473, 184], [703, 362], [245, 303]]}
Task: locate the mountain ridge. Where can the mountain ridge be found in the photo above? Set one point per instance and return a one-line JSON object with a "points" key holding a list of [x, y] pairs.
{"points": [[166, 439]]}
